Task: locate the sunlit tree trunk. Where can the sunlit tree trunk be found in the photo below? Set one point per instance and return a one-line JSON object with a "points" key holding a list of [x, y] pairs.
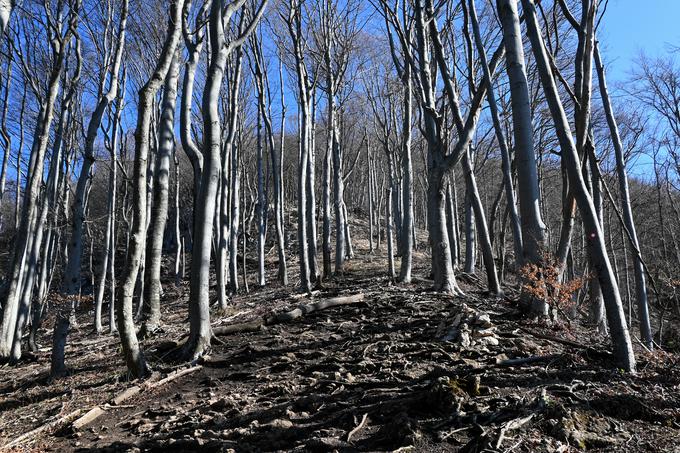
{"points": [[159, 210], [532, 235], [626, 209], [134, 357], [617, 325]]}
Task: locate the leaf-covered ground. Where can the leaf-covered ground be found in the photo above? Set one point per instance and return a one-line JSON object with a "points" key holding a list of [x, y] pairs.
{"points": [[404, 370]]}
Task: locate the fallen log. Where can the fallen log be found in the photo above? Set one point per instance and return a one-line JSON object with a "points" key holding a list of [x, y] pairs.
{"points": [[89, 417], [49, 425], [126, 394], [280, 318], [530, 360], [175, 375]]}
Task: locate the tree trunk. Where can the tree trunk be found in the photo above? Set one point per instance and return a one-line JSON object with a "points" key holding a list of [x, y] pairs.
{"points": [[390, 241], [482, 229], [470, 231], [261, 204], [159, 213], [199, 294], [29, 214], [626, 209], [617, 325], [326, 243], [533, 228], [515, 59], [407, 237], [134, 357]]}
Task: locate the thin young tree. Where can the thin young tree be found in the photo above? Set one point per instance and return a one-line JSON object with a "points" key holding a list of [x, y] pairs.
{"points": [[626, 208]]}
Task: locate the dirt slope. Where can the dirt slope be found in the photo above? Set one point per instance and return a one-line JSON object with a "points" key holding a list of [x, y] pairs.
{"points": [[405, 370]]}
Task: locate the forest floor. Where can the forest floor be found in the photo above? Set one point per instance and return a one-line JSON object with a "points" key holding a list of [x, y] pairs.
{"points": [[403, 370]]}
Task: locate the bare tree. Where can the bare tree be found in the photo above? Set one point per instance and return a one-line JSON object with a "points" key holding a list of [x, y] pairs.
{"points": [[626, 209], [221, 13], [61, 28], [532, 235], [134, 357], [595, 238], [159, 210]]}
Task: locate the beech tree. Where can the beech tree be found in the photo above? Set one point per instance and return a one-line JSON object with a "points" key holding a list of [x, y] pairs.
{"points": [[61, 29], [221, 14], [134, 357], [363, 129], [595, 238]]}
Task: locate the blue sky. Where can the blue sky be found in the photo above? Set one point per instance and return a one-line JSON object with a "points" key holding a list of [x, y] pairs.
{"points": [[631, 26]]}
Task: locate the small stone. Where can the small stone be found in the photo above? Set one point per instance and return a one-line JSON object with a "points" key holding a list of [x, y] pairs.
{"points": [[483, 320]]}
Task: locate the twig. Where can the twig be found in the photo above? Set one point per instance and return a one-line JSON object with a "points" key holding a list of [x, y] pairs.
{"points": [[509, 426], [359, 426]]}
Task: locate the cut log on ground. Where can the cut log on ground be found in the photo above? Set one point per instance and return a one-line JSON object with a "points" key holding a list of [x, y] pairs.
{"points": [[47, 426], [302, 310], [128, 393]]}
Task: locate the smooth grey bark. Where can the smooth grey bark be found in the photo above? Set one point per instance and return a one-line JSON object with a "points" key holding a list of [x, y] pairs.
{"points": [[482, 229], [199, 301], [294, 24], [622, 346], [105, 102], [235, 202], [439, 162], [470, 231], [532, 226], [159, 210], [244, 242], [134, 357], [390, 240], [450, 222], [72, 273], [326, 204], [20, 151], [338, 193], [6, 7], [6, 137], [261, 203], [48, 197], [113, 205], [311, 189], [371, 221], [407, 236], [597, 310], [349, 250], [626, 209], [264, 106], [513, 58], [455, 237], [177, 232], [194, 47], [223, 225], [279, 201], [108, 265], [62, 35]]}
